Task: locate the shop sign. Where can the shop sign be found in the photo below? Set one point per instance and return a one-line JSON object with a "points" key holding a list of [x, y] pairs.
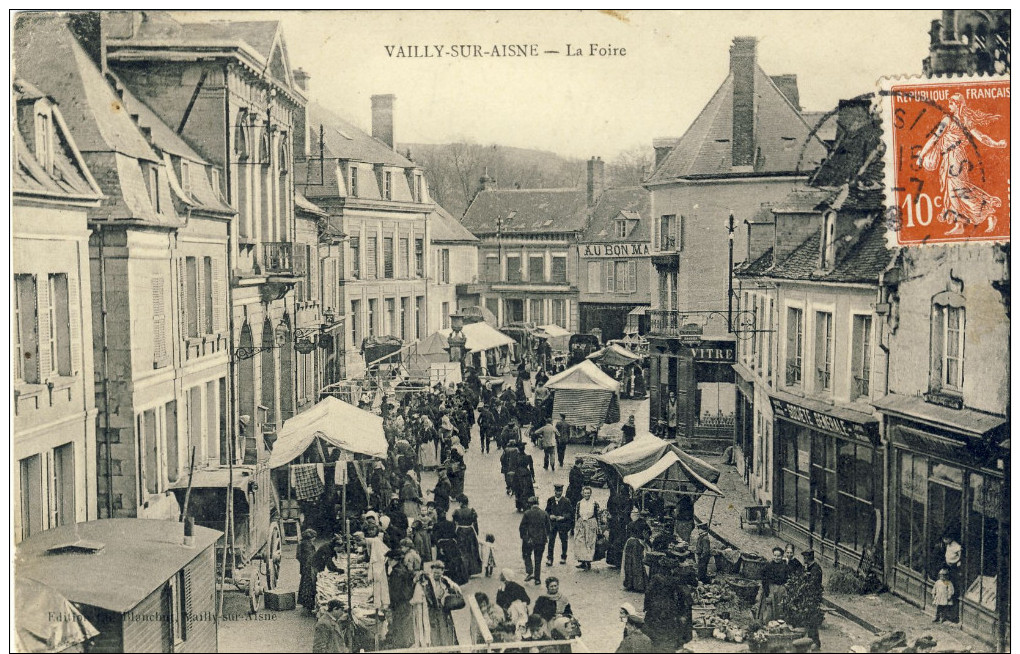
{"points": [[714, 352], [825, 422], [597, 250], [941, 399]]}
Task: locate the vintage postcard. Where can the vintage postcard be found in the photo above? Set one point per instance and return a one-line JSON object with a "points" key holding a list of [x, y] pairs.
{"points": [[486, 331]]}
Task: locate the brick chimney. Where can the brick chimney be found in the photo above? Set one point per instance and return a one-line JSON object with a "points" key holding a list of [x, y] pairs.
{"points": [[306, 138], [788, 85], [301, 79], [596, 179], [662, 147], [382, 118], [743, 62], [761, 232], [791, 230]]}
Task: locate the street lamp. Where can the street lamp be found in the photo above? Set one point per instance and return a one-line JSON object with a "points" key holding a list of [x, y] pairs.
{"points": [[457, 339], [729, 279]]}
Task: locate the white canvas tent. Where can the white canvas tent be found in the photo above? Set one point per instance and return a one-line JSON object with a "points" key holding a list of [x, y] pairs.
{"points": [[481, 337], [586, 395], [338, 424]]}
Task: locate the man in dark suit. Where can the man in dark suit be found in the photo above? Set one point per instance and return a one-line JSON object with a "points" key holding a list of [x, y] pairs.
{"points": [[813, 574], [561, 517], [534, 532], [575, 481]]}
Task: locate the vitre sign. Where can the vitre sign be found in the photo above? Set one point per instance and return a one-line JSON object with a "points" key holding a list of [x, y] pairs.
{"points": [[596, 250]]}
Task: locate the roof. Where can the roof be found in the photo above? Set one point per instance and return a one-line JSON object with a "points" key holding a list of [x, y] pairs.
{"points": [[259, 34], [345, 140], [584, 376], [781, 136], [304, 204], [36, 630], [629, 203], [527, 211], [646, 450], [139, 554], [965, 420], [614, 355], [447, 229], [823, 122], [341, 424], [70, 177]]}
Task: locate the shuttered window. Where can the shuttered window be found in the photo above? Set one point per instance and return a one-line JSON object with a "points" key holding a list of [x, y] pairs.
{"points": [[419, 257], [559, 270], [372, 258], [207, 295], [160, 352], [594, 276], [187, 600], [356, 256], [405, 257], [536, 269], [794, 346], [60, 325], [191, 292], [219, 298], [610, 277], [388, 257]]}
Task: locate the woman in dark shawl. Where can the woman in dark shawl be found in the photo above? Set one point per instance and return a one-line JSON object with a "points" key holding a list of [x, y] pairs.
{"points": [[448, 550], [466, 520], [633, 569], [305, 553], [401, 622], [524, 478]]}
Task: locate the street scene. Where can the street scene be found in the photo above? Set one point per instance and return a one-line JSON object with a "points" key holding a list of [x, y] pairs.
{"points": [[510, 331]]}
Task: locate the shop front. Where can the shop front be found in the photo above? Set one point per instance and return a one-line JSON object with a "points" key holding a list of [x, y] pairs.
{"points": [[948, 478], [743, 419], [828, 479]]}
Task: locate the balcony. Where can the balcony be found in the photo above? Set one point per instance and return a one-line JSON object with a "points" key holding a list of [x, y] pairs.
{"points": [[281, 259], [793, 373], [672, 323]]}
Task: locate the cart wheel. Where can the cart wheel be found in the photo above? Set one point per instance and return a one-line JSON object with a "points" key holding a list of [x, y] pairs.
{"points": [[256, 595], [273, 556]]}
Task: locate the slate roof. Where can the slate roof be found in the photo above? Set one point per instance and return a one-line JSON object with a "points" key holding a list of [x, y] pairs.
{"points": [[447, 229], [69, 178], [823, 122], [633, 202], [162, 27], [345, 140], [781, 132], [527, 211]]}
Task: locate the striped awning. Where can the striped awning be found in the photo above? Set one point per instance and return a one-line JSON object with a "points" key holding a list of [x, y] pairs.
{"points": [[586, 407]]}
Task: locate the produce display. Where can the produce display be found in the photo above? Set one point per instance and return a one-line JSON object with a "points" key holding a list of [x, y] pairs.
{"points": [[721, 628], [333, 585]]}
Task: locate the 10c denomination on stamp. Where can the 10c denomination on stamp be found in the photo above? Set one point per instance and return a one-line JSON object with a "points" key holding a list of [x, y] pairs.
{"points": [[947, 158]]}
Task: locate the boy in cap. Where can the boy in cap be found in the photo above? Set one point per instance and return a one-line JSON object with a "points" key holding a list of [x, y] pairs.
{"points": [[561, 514]]}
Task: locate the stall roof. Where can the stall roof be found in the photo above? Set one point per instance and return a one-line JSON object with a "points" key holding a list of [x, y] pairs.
{"points": [[584, 376], [481, 337], [552, 331], [646, 450], [218, 477], [659, 471], [336, 422], [135, 554], [614, 355], [35, 604]]}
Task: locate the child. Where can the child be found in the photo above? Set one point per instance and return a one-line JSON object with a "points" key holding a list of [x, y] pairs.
{"points": [[942, 592], [488, 554]]}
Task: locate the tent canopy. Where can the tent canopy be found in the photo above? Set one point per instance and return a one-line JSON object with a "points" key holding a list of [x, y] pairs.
{"points": [[36, 629], [551, 331], [479, 311], [646, 451], [584, 376], [480, 337], [614, 355], [334, 421]]}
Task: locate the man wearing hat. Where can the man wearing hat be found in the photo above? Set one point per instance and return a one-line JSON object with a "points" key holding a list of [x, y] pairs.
{"points": [[813, 580], [561, 516], [562, 438], [534, 530]]}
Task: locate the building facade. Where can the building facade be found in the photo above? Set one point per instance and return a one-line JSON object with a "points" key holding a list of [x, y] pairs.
{"points": [[454, 253], [54, 404], [228, 90], [378, 199], [750, 145], [614, 261], [971, 41]]}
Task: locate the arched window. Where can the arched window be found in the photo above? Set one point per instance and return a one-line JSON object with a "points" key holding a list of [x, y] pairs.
{"points": [[265, 151], [284, 157]]}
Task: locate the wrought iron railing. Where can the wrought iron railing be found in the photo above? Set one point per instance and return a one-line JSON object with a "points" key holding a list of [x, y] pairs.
{"points": [[278, 258], [793, 373], [862, 387]]}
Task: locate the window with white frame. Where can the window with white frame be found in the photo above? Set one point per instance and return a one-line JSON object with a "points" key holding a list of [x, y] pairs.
{"points": [[44, 138], [621, 229], [443, 276], [860, 357], [185, 177], [356, 332], [559, 269], [948, 330], [828, 244], [823, 350], [192, 291], [445, 309], [794, 346], [60, 325]]}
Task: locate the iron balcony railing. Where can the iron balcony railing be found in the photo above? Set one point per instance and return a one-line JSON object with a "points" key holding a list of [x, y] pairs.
{"points": [[668, 323], [793, 373], [280, 259]]}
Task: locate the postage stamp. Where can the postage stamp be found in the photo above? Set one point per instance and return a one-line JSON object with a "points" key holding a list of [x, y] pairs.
{"points": [[947, 158]]}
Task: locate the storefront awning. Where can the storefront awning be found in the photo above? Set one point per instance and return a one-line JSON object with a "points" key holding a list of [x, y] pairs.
{"points": [[335, 421], [967, 421]]}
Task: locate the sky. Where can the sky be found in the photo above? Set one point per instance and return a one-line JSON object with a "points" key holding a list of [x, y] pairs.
{"points": [[580, 106]]}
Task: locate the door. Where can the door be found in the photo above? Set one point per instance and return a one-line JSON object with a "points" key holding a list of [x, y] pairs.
{"points": [[686, 392], [514, 311]]}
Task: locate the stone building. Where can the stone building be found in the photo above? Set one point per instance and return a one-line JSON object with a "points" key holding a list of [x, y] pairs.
{"points": [[53, 404], [379, 200], [455, 261], [807, 378], [969, 41], [227, 89], [614, 257], [158, 252], [751, 144]]}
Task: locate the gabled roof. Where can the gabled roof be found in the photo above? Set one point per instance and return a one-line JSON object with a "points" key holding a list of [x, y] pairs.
{"points": [[345, 140], [781, 137], [70, 177], [447, 229], [630, 203], [527, 211]]}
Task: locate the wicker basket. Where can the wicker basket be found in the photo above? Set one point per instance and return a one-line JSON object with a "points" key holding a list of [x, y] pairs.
{"points": [[751, 565], [704, 631], [746, 590]]}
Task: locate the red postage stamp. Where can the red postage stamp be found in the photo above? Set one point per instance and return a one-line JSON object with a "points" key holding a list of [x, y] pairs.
{"points": [[947, 159]]}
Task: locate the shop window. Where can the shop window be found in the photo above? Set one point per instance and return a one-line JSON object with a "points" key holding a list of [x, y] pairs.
{"points": [[910, 510], [860, 358], [825, 500], [795, 462], [947, 343], [856, 514], [823, 351], [980, 544], [559, 313], [535, 312], [794, 346], [513, 268]]}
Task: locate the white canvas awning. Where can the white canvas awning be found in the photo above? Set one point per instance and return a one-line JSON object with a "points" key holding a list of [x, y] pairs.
{"points": [[584, 376], [552, 330], [639, 479], [481, 337], [337, 423]]}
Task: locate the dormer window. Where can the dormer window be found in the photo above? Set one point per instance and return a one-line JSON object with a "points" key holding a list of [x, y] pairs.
{"points": [[353, 190], [419, 196], [185, 177], [828, 244], [153, 178], [214, 174], [621, 229], [388, 185], [44, 139]]}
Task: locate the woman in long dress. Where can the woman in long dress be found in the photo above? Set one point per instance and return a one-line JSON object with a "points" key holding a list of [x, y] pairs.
{"points": [[633, 568], [586, 529], [466, 520], [951, 149], [305, 553], [433, 624], [377, 567]]}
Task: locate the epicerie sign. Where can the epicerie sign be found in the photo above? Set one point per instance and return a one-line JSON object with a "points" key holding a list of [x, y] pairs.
{"points": [[596, 250]]}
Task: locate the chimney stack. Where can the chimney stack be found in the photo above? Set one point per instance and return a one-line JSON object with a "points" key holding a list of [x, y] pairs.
{"points": [[87, 27], [382, 118], [788, 85], [743, 62], [486, 183], [301, 79], [596, 179], [662, 147]]}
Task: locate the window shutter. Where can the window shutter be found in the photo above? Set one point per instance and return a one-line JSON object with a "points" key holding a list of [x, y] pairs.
{"points": [[159, 348], [188, 601], [610, 277], [219, 298], [46, 364], [632, 277], [938, 326], [74, 313]]}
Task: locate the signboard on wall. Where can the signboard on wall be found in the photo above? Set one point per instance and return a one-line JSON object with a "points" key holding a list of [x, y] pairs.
{"points": [[614, 250], [867, 432]]}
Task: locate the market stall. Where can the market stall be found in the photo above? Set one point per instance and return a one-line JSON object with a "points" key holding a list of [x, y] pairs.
{"points": [[624, 365], [554, 343], [486, 348], [587, 396]]}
